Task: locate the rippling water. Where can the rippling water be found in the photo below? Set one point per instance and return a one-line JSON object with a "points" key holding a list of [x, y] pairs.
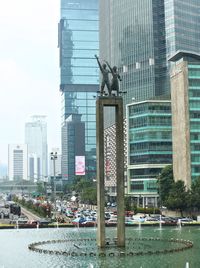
{"points": [[14, 250]]}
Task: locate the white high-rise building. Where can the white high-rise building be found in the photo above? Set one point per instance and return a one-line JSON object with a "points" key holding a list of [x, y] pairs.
{"points": [[17, 162], [36, 139]]}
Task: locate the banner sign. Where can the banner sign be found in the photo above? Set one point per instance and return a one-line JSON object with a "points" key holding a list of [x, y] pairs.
{"points": [[80, 165]]}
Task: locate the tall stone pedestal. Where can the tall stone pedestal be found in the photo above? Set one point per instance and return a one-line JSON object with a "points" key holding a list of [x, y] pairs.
{"points": [[116, 102]]}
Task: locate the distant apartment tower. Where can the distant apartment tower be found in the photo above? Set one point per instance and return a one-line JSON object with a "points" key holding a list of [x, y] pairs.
{"points": [[17, 162], [79, 79], [185, 94], [149, 145], [36, 139]]}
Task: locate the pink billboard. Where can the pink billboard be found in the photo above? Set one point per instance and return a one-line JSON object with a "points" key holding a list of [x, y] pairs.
{"points": [[80, 165]]}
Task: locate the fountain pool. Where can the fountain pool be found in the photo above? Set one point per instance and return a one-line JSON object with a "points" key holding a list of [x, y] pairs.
{"points": [[81, 244]]}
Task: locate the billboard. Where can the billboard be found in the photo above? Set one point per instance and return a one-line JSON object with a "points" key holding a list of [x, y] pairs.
{"points": [[80, 165]]}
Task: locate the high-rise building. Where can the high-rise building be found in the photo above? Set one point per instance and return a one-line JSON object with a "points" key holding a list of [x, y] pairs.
{"points": [[17, 162], [79, 78], [182, 26], [73, 144], [149, 148], [36, 139], [139, 36], [135, 42], [185, 92]]}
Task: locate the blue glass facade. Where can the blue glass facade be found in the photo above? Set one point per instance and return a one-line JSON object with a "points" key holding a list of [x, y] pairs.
{"points": [[182, 27], [79, 74], [142, 35], [137, 45], [182, 24]]}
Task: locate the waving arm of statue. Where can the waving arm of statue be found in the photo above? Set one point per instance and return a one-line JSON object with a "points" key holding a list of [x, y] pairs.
{"points": [[110, 68], [100, 67]]}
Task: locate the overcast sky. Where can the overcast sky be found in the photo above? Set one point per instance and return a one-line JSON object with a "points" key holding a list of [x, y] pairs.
{"points": [[29, 69]]}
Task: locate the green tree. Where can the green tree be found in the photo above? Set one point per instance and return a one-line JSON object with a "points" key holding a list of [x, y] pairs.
{"points": [[165, 183], [127, 201], [82, 184], [40, 188], [178, 197], [89, 195], [195, 194], [85, 190]]}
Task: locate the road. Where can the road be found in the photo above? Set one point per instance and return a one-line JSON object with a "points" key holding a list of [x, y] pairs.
{"points": [[29, 215]]}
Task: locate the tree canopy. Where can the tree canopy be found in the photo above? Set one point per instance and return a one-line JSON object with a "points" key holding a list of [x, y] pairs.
{"points": [[165, 183], [178, 197]]}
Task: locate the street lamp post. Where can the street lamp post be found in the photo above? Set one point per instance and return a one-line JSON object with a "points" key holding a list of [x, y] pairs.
{"points": [[53, 158]]}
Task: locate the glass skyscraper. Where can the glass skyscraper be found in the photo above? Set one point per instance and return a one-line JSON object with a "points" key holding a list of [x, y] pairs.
{"points": [[182, 26], [139, 36], [79, 77], [137, 46]]}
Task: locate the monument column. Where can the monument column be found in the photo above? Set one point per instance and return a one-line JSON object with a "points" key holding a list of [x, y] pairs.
{"points": [[120, 173], [100, 174], [117, 102]]}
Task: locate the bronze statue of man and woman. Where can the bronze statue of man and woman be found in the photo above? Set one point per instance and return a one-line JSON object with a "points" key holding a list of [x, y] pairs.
{"points": [[113, 86]]}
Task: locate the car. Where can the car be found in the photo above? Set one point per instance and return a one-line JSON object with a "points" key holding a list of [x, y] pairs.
{"points": [[107, 215], [151, 219], [88, 223], [44, 222], [168, 221], [32, 223], [111, 222], [186, 220], [129, 220]]}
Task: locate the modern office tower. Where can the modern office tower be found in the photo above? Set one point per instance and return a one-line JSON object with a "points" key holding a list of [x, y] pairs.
{"points": [[182, 26], [36, 139], [185, 98], [139, 36], [149, 148], [79, 78], [73, 144], [17, 162], [136, 44]]}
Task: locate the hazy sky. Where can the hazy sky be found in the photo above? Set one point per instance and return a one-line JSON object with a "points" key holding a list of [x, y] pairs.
{"points": [[29, 69]]}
